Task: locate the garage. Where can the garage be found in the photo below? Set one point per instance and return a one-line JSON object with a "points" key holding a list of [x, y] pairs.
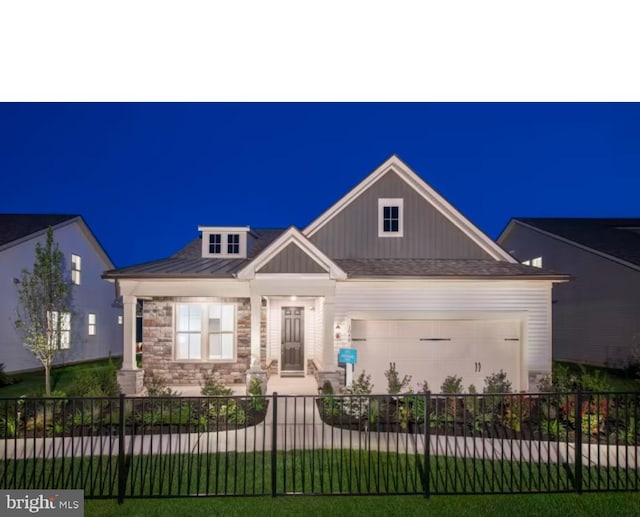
{"points": [[431, 350]]}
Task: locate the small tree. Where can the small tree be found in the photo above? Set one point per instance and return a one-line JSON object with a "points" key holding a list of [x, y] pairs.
{"points": [[44, 297]]}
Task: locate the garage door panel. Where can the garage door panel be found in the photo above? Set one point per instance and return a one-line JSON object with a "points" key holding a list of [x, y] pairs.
{"points": [[472, 349]]}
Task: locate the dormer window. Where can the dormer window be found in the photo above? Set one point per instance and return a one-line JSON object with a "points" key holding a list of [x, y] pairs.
{"points": [[390, 217], [233, 243], [224, 242], [215, 243]]}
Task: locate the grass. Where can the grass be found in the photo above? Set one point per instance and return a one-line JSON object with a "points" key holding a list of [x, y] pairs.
{"points": [[310, 472], [32, 383], [549, 505]]}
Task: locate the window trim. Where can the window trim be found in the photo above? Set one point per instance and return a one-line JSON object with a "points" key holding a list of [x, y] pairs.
{"points": [[76, 268], [390, 202], [65, 329], [92, 326], [205, 353]]}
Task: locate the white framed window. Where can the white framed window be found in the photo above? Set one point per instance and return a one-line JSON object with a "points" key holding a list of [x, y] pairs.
{"points": [[120, 320], [390, 217], [91, 324], [76, 266], [535, 262], [60, 325], [205, 331]]}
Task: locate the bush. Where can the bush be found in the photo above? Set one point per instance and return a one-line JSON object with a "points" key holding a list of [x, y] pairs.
{"points": [[394, 384], [97, 382], [497, 383], [5, 379], [327, 388], [362, 384], [213, 386], [158, 387], [452, 384], [594, 380]]}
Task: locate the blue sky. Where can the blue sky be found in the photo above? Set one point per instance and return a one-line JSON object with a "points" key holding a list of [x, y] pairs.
{"points": [[144, 176]]}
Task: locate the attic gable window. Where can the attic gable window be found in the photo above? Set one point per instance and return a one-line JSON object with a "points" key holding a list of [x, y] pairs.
{"points": [[390, 217], [224, 241]]}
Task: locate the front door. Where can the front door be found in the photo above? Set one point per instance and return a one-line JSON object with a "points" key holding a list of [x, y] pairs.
{"points": [[292, 339]]}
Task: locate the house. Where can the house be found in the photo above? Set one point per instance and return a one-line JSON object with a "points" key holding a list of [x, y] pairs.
{"points": [[391, 270], [597, 315], [94, 325]]}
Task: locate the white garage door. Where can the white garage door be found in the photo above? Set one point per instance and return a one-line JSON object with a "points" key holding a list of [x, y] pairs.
{"points": [[434, 349]]}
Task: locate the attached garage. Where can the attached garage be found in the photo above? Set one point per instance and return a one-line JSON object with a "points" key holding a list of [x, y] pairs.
{"points": [[431, 350]]}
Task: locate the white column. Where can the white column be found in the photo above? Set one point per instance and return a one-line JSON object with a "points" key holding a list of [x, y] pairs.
{"points": [[129, 329], [256, 302], [328, 355]]}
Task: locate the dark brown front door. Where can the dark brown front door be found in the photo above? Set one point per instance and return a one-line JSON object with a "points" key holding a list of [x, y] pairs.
{"points": [[293, 339]]}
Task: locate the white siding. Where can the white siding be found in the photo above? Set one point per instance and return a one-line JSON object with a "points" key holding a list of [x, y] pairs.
{"points": [[529, 301], [93, 295]]}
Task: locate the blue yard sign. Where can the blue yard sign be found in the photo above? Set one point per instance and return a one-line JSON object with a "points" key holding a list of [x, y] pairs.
{"points": [[348, 356]]}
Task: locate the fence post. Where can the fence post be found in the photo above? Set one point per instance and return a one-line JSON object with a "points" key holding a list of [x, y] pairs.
{"points": [[578, 442], [427, 446], [274, 445], [122, 474]]}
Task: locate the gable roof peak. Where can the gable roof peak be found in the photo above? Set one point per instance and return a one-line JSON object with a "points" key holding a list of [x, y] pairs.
{"points": [[406, 174]]}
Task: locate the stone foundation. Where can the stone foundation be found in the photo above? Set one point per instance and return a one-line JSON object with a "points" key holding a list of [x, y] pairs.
{"points": [[131, 381], [159, 342], [335, 377]]}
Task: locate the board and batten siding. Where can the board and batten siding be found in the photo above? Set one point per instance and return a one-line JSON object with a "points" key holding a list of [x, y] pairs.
{"points": [[529, 301], [353, 232], [596, 316], [291, 260]]}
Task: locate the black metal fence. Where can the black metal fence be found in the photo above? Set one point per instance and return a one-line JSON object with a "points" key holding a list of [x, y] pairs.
{"points": [[333, 444]]}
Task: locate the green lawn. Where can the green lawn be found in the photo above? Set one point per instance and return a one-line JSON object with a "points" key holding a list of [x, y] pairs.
{"points": [[62, 377], [319, 471], [548, 505]]}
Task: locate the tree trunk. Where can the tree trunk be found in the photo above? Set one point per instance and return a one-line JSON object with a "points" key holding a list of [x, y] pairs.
{"points": [[47, 380]]}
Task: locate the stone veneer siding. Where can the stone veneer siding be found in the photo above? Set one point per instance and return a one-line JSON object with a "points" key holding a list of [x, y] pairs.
{"points": [[159, 341]]}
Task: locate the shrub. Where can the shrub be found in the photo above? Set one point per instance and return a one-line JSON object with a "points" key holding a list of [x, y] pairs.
{"points": [[213, 386], [394, 384], [158, 387], [358, 405], [452, 384], [594, 380], [257, 401], [497, 383], [423, 387], [363, 383], [5, 379], [327, 388]]}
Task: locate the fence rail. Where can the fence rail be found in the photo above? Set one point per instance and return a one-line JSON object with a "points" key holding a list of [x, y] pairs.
{"points": [[124, 447]]}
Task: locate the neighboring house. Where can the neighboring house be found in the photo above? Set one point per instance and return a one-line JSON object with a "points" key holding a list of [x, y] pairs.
{"points": [[596, 316], [94, 325], [391, 269]]}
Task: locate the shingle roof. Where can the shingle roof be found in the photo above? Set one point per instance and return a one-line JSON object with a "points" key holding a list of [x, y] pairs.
{"points": [[189, 263], [618, 237], [17, 226], [463, 268]]}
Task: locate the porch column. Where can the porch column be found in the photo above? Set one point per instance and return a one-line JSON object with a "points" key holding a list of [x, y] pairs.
{"points": [[256, 301], [328, 314], [130, 377], [129, 329]]}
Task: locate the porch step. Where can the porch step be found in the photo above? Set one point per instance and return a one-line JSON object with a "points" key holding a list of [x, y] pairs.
{"points": [[292, 374]]}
